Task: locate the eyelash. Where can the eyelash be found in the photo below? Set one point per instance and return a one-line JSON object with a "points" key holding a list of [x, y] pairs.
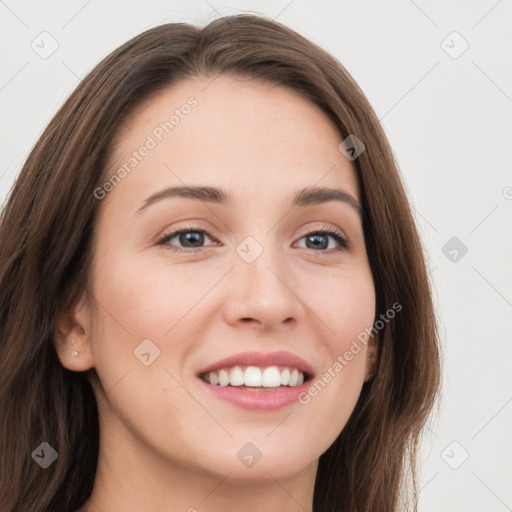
{"points": [[343, 243]]}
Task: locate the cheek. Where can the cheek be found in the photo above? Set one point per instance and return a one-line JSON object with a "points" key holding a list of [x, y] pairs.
{"points": [[346, 305], [136, 306], [148, 302], [163, 305], [345, 302]]}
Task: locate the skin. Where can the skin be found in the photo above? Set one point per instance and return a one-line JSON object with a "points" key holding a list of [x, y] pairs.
{"points": [[166, 444]]}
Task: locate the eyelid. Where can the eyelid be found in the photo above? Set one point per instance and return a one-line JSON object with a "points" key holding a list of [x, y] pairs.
{"points": [[316, 228], [344, 243], [342, 240], [189, 226]]}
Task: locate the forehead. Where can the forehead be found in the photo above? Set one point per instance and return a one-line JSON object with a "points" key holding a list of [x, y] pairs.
{"points": [[233, 133]]}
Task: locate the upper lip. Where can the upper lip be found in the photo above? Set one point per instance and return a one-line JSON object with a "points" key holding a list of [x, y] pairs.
{"points": [[261, 359]]}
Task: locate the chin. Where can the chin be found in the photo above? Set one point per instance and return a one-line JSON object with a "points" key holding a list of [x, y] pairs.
{"points": [[263, 461]]}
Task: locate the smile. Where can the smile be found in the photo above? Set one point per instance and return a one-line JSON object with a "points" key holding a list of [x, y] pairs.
{"points": [[253, 377]]}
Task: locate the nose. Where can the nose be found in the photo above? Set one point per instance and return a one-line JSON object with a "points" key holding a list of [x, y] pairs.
{"points": [[263, 294]]}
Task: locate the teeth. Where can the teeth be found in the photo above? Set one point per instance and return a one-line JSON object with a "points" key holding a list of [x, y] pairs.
{"points": [[223, 378], [271, 377], [253, 376], [236, 376]]}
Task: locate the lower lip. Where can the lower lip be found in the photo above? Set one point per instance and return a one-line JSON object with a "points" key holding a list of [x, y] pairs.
{"points": [[259, 400]]}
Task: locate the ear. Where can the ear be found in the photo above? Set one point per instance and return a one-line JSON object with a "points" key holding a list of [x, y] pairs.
{"points": [[71, 335], [372, 350]]}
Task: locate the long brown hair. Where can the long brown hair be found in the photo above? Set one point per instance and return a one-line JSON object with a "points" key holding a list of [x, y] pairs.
{"points": [[45, 253]]}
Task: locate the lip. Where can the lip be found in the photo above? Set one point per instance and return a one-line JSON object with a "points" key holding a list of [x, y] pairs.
{"points": [[261, 359], [256, 400], [259, 400]]}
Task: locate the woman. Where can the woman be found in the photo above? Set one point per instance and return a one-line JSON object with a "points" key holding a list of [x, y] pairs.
{"points": [[213, 294]]}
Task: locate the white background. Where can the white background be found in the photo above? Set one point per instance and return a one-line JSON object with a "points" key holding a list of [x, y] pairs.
{"points": [[449, 121]]}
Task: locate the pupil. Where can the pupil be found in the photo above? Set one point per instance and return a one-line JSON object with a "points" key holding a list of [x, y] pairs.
{"points": [[191, 236], [318, 240]]}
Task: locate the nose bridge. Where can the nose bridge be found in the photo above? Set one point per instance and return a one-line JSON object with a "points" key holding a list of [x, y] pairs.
{"points": [[260, 281], [260, 258]]}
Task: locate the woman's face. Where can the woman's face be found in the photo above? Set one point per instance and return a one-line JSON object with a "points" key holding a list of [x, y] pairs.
{"points": [[253, 274]]}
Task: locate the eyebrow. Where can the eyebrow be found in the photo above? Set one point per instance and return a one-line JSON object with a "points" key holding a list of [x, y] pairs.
{"points": [[304, 197]]}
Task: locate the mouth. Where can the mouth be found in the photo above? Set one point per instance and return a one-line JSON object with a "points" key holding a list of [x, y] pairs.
{"points": [[254, 378], [258, 381]]}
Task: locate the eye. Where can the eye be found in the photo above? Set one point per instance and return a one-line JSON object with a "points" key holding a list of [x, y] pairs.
{"points": [[320, 240], [192, 239]]}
